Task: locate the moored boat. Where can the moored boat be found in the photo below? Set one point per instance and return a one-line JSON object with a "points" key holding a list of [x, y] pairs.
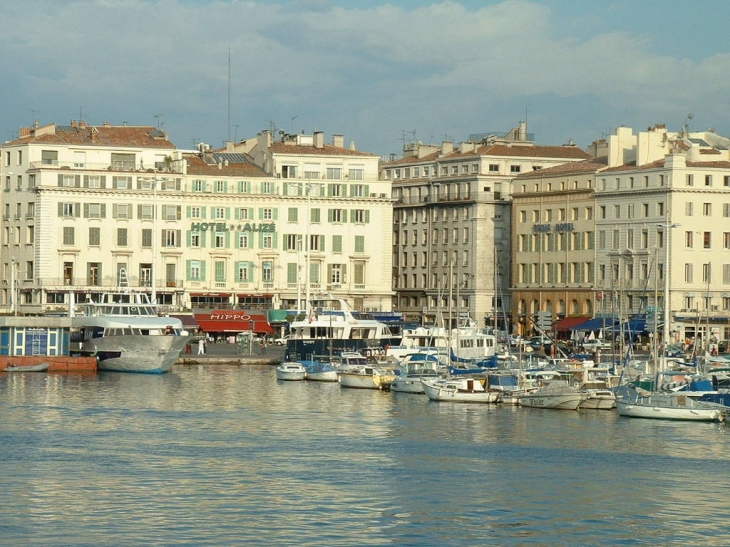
{"points": [[125, 332], [356, 372], [322, 369], [459, 390], [555, 394], [40, 367], [291, 371], [638, 403]]}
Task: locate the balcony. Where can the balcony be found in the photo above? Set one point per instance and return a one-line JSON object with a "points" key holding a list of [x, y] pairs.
{"points": [[117, 167]]}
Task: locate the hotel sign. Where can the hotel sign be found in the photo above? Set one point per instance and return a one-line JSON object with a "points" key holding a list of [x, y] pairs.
{"points": [[560, 227], [223, 227]]}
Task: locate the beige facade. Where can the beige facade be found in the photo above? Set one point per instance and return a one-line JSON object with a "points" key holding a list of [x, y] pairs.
{"points": [[84, 203], [553, 232], [452, 224]]}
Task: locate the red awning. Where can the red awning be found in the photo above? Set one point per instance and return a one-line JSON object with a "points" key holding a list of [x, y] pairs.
{"points": [[221, 294], [567, 323]]}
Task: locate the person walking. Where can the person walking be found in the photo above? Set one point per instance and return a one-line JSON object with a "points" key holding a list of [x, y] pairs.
{"points": [[201, 346]]}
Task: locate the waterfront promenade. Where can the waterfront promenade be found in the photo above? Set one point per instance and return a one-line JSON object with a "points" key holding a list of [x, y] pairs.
{"points": [[226, 354]]}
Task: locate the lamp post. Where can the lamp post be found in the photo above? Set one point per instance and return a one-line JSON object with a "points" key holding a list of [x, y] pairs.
{"points": [[665, 331], [153, 273]]}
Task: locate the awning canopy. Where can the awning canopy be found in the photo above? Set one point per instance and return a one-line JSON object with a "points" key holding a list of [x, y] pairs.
{"points": [[634, 326], [567, 323], [597, 323]]}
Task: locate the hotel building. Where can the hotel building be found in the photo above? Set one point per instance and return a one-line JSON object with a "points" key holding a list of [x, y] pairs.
{"points": [[254, 225]]}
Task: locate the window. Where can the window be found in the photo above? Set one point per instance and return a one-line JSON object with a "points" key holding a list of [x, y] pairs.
{"points": [[293, 214], [267, 187], [69, 210], [171, 238], [336, 243], [356, 174], [688, 239], [95, 236], [267, 241], [335, 190], [688, 273], [94, 210], [220, 271], [122, 210], [689, 208], [243, 272], [707, 273], [123, 162], [494, 168], [194, 239], [690, 180], [243, 240], [144, 212], [194, 212], [68, 235], [198, 186], [267, 271], [219, 240], [359, 244], [288, 171], [119, 183], [335, 273], [358, 191], [49, 157], [335, 215], [146, 238], [514, 169], [706, 240], [708, 180], [707, 209], [172, 212], [219, 213], [244, 186], [121, 237], [360, 216], [219, 186], [242, 213], [195, 270]]}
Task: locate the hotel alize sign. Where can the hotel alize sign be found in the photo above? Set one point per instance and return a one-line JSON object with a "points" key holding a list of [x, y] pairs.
{"points": [[560, 227], [223, 227]]}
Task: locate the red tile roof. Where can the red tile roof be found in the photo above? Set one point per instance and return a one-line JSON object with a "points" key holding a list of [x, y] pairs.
{"points": [[196, 166], [96, 135], [305, 150], [592, 165], [497, 150]]}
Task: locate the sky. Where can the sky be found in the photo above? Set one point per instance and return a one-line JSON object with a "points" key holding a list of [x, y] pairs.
{"points": [[380, 73]]}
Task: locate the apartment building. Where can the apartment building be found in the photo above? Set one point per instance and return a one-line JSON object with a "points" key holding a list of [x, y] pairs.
{"points": [[208, 228], [452, 239]]}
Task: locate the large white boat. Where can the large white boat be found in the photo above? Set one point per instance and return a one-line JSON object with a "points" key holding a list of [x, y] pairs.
{"points": [[332, 327], [459, 390], [637, 403], [556, 394], [468, 345], [126, 334]]}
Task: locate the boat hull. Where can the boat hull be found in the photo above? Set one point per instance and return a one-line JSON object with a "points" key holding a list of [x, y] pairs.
{"points": [[602, 400], [366, 381], [461, 391], [42, 367], [136, 353], [636, 403], [556, 402], [291, 372]]}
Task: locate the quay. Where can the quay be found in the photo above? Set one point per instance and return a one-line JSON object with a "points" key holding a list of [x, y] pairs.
{"points": [[227, 354]]}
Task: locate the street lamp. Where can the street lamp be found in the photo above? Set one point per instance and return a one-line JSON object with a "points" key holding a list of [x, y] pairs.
{"points": [[665, 331]]}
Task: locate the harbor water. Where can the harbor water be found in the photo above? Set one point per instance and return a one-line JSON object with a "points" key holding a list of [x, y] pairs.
{"points": [[226, 455]]}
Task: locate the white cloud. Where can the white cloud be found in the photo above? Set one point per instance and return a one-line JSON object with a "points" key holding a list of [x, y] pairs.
{"points": [[370, 72]]}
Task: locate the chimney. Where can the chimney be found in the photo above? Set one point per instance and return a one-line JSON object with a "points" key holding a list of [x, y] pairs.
{"points": [[82, 123], [447, 147], [522, 135], [319, 139], [74, 124], [338, 141]]}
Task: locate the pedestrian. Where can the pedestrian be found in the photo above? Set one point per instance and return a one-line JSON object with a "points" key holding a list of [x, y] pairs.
{"points": [[201, 346]]}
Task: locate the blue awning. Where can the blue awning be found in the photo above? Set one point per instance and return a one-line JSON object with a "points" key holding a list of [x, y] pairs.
{"points": [[634, 326], [596, 323]]}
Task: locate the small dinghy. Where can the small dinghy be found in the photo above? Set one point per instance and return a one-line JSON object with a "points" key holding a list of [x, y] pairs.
{"points": [[41, 367]]}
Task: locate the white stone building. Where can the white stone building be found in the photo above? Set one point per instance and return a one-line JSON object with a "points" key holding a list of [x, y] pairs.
{"points": [[79, 206]]}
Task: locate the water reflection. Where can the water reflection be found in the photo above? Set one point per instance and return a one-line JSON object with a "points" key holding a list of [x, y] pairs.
{"points": [[231, 456]]}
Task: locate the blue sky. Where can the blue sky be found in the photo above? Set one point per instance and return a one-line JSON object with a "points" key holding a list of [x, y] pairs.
{"points": [[379, 73]]}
